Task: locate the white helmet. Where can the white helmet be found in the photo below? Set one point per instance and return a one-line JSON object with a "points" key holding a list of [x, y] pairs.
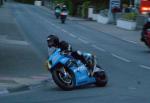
{"points": [[64, 6]]}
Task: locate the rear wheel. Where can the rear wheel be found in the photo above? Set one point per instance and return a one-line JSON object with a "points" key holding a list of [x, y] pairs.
{"points": [[101, 78], [64, 78], [62, 21]]}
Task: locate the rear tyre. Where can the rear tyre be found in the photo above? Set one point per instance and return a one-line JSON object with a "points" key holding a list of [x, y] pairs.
{"points": [[63, 21], [142, 39], [101, 78], [64, 78]]}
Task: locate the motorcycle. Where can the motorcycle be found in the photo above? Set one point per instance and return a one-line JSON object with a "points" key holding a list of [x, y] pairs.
{"points": [[146, 37], [69, 73], [57, 13], [63, 16]]}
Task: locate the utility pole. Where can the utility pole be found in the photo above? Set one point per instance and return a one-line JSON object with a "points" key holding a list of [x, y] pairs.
{"points": [[113, 4]]}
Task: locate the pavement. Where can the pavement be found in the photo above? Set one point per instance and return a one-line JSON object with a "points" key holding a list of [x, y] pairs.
{"points": [[113, 30], [15, 52], [17, 84], [9, 35]]}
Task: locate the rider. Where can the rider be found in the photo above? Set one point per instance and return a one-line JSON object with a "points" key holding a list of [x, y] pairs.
{"points": [[86, 58], [64, 8], [57, 11], [57, 7]]}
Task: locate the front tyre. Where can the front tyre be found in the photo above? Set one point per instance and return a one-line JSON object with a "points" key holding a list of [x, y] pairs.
{"points": [[64, 78]]}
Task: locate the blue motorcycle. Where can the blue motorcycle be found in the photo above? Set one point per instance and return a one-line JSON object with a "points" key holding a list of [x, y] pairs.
{"points": [[69, 73]]}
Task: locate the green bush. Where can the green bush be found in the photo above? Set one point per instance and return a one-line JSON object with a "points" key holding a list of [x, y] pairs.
{"points": [[85, 9], [69, 6], [130, 16]]}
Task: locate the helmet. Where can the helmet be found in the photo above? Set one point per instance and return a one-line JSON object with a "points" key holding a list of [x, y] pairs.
{"points": [[52, 40], [64, 6], [58, 4], [65, 46]]}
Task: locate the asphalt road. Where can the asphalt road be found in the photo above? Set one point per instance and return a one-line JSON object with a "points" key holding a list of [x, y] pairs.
{"points": [[127, 64]]}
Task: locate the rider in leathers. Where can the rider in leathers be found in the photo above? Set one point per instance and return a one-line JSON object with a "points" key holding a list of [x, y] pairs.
{"points": [[85, 58]]}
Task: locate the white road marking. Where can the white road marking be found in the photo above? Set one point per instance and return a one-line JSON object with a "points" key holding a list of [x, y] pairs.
{"points": [[52, 24], [4, 91], [64, 30], [48, 21], [145, 67], [15, 42], [72, 35], [57, 27], [39, 77], [84, 41], [43, 19], [121, 58], [132, 88], [98, 48], [130, 41]]}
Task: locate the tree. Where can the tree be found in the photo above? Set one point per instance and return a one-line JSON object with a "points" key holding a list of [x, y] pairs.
{"points": [[73, 5]]}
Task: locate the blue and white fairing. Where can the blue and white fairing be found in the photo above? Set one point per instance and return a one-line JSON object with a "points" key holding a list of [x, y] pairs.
{"points": [[81, 75], [56, 58]]}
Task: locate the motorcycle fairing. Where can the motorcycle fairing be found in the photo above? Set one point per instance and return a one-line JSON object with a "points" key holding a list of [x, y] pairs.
{"points": [[57, 58], [81, 76]]}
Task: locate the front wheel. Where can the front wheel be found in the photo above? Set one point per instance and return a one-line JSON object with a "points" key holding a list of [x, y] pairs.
{"points": [[101, 78], [64, 78]]}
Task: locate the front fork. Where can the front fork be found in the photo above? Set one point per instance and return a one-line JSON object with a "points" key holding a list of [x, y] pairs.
{"points": [[48, 65]]}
